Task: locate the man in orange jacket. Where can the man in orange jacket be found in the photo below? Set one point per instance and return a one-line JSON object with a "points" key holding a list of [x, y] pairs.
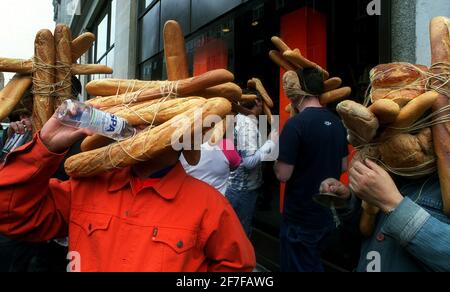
{"points": [[128, 220]]}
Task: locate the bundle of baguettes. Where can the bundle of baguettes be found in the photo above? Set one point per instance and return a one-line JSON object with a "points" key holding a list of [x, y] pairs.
{"points": [[146, 145], [267, 101], [50, 71], [293, 60]]}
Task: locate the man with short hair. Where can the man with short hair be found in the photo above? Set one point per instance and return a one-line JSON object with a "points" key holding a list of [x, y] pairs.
{"points": [[313, 147]]}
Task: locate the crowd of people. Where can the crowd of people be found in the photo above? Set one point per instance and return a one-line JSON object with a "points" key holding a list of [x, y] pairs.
{"points": [[182, 217]]}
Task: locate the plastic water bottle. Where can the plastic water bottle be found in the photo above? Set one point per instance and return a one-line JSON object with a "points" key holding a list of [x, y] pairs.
{"points": [[76, 114]]}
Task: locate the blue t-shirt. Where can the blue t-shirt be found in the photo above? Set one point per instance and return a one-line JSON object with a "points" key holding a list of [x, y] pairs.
{"points": [[315, 142]]}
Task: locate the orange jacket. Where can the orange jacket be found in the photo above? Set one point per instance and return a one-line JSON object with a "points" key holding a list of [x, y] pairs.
{"points": [[180, 224]]}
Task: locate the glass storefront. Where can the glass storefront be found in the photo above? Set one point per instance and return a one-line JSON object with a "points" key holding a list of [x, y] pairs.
{"points": [[235, 35]]}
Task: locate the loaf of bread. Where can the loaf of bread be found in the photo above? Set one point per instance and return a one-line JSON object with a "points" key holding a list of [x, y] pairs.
{"points": [[386, 110], [16, 65], [110, 87], [263, 92], [332, 84], [44, 76], [296, 58], [161, 112], [180, 88], [335, 95], [89, 69], [175, 52], [81, 45], [63, 45], [278, 59], [440, 51], [145, 146], [361, 123], [280, 44], [95, 142], [230, 91], [397, 75], [13, 92]]}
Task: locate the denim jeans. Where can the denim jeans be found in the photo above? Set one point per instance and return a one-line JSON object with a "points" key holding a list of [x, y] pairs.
{"points": [[301, 247], [244, 204]]}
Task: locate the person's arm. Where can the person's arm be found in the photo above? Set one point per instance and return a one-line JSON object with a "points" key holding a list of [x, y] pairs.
{"points": [[424, 237], [289, 147], [227, 248], [233, 157], [32, 206]]}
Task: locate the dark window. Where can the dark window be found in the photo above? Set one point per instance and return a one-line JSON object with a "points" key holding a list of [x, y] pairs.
{"points": [[149, 33], [153, 68], [204, 11], [105, 30]]}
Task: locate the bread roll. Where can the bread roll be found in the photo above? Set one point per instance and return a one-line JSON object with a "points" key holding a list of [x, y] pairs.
{"points": [[278, 59], [16, 66], [280, 44], [175, 52], [44, 76], [414, 110], [147, 145], [263, 92], [397, 75], [89, 69], [63, 45], [332, 84], [335, 95], [386, 110], [11, 95], [360, 122], [81, 45]]}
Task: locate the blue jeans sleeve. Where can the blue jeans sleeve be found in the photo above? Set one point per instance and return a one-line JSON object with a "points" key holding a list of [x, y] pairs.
{"points": [[423, 236]]}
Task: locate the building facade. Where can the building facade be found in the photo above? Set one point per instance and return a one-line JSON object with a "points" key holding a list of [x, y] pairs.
{"points": [[347, 39]]}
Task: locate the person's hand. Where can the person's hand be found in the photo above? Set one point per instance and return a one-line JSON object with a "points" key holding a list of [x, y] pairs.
{"points": [[58, 137], [334, 186], [374, 185], [20, 127]]}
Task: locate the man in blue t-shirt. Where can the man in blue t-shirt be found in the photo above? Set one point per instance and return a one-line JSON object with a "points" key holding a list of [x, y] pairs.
{"points": [[313, 147]]}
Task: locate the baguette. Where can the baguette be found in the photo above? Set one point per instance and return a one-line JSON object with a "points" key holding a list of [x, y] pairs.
{"points": [[440, 49], [335, 95], [81, 45], [175, 52], [63, 45], [185, 87], [263, 92], [248, 97], [95, 142], [44, 56], [230, 91], [268, 113], [332, 84], [278, 59], [414, 110], [89, 69], [297, 59], [147, 145], [109, 87], [13, 92], [161, 112], [386, 110], [280, 44], [16, 66]]}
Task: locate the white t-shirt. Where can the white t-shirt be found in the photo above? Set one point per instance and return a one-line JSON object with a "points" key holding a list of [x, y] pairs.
{"points": [[214, 167]]}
